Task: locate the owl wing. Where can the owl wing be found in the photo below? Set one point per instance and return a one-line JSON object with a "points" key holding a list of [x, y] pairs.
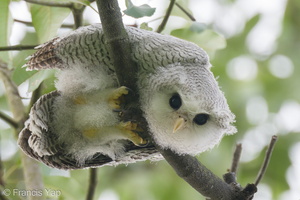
{"points": [[152, 50], [83, 47], [45, 57], [39, 141], [86, 47], [37, 137]]}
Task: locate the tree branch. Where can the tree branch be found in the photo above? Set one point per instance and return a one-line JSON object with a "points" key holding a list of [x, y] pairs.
{"points": [[167, 15], [49, 3], [198, 176], [8, 120], [12, 94], [230, 177], [92, 183], [236, 158], [118, 43], [71, 26], [77, 11], [266, 160], [32, 174], [187, 167], [18, 47], [185, 12]]}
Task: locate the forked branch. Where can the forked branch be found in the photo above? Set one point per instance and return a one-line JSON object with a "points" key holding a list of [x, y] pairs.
{"points": [[187, 167], [266, 160]]}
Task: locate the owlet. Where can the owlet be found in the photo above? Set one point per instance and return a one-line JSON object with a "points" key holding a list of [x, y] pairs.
{"points": [[77, 126]]}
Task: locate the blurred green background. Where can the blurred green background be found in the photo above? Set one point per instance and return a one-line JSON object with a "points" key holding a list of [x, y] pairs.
{"points": [[254, 48]]}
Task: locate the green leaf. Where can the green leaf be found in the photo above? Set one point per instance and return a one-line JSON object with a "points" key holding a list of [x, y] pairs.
{"points": [[138, 11], [145, 26], [19, 74], [83, 2], [47, 20], [209, 40], [198, 27], [5, 28], [39, 77]]}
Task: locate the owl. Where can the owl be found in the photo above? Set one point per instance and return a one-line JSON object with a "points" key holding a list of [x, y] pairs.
{"points": [[78, 125]]}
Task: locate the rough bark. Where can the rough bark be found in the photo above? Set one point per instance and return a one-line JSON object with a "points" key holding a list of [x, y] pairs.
{"points": [[187, 167]]}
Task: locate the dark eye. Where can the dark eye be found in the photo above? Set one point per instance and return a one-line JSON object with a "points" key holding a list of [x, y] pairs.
{"points": [[175, 101], [201, 119]]}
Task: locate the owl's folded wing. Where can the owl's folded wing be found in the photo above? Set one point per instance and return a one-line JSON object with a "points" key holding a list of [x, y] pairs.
{"points": [[86, 47], [37, 137], [39, 141], [83, 47], [45, 57]]}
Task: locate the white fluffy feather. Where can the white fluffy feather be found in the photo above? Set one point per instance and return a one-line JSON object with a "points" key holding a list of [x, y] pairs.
{"points": [[71, 120], [83, 79], [199, 93], [166, 65]]}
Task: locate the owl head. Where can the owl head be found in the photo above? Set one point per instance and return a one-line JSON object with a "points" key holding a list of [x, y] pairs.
{"points": [[185, 109]]}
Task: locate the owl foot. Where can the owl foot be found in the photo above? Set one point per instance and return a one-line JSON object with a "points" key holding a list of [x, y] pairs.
{"points": [[115, 98], [79, 100], [129, 128]]}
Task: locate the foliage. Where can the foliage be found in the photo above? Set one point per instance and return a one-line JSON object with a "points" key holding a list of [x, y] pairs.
{"points": [[138, 11], [264, 101]]}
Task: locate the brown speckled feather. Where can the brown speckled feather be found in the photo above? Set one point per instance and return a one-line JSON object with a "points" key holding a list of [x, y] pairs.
{"points": [[45, 57]]}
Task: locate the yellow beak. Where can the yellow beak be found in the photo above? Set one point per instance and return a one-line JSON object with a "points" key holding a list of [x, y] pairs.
{"points": [[179, 124]]}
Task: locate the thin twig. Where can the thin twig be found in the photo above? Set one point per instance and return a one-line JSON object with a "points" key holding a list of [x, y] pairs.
{"points": [[49, 3], [230, 177], [8, 120], [32, 175], [266, 160], [168, 13], [185, 12], [92, 183], [77, 11], [12, 94], [71, 26], [236, 158], [18, 47]]}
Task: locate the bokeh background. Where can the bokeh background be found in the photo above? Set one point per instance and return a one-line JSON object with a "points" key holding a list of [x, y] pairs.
{"points": [[254, 48]]}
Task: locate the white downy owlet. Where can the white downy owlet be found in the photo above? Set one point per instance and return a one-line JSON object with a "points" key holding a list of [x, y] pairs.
{"points": [[76, 126]]}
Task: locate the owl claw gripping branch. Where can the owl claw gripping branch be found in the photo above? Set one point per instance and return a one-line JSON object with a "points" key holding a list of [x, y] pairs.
{"points": [[129, 128], [114, 99], [80, 123]]}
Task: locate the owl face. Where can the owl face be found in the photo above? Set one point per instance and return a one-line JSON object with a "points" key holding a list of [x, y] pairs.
{"points": [[187, 112]]}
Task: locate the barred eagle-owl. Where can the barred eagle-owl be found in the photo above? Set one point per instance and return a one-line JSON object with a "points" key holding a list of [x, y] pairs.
{"points": [[77, 126]]}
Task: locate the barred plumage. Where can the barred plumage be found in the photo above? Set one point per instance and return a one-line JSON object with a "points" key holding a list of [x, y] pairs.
{"points": [[77, 128]]}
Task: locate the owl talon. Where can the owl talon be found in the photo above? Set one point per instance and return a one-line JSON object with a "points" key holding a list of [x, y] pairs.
{"points": [[79, 100], [130, 130], [115, 98]]}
